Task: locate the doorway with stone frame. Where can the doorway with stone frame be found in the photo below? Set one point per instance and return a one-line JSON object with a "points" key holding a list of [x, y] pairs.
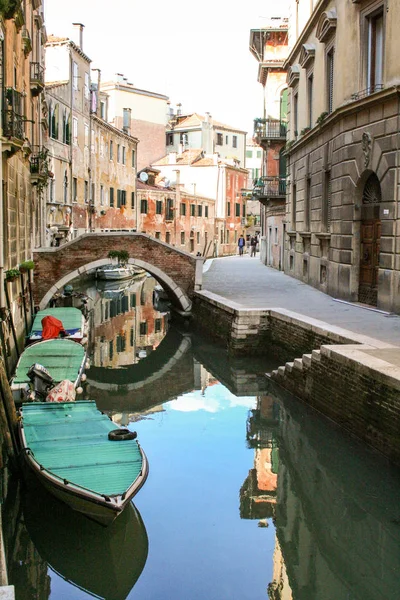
{"points": [[370, 236]]}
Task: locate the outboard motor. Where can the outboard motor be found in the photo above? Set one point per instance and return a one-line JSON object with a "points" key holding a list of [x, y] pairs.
{"points": [[41, 379]]}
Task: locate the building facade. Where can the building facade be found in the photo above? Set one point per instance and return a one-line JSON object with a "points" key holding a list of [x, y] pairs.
{"points": [[211, 177], [342, 203], [269, 45], [140, 113], [195, 131], [22, 35]]}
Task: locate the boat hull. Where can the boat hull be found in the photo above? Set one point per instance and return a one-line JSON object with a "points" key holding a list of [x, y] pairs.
{"points": [[103, 508]]}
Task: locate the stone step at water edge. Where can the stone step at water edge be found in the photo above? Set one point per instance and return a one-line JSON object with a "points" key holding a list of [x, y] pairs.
{"points": [[316, 355], [307, 358], [298, 364], [281, 371], [289, 367]]}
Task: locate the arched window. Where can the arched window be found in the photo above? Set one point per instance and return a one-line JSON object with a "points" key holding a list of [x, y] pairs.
{"points": [[55, 115]]}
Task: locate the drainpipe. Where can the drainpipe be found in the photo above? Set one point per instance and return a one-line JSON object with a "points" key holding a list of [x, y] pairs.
{"points": [[2, 295]]}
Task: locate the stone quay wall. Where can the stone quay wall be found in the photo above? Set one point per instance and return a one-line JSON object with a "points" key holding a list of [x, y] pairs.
{"points": [[350, 378]]}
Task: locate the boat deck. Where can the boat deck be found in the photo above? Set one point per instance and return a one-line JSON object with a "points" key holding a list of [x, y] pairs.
{"points": [[71, 318], [63, 358], [71, 441]]}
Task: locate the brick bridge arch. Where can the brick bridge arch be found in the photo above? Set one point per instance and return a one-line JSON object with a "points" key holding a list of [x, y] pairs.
{"points": [[177, 271]]}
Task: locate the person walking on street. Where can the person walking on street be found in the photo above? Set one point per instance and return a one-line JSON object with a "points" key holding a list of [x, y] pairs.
{"points": [[241, 243], [253, 245]]}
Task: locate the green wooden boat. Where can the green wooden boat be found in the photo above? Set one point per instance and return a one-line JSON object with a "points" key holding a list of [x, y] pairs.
{"points": [[72, 318], [81, 457], [64, 359]]}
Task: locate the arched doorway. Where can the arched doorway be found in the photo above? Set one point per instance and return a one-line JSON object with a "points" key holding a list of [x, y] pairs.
{"points": [[370, 236]]}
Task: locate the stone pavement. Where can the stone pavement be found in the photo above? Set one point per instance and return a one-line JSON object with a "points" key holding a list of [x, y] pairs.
{"points": [[249, 283]]}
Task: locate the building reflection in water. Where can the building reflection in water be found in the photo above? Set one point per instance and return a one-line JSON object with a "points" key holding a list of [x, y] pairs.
{"points": [[126, 327], [334, 505], [258, 495]]}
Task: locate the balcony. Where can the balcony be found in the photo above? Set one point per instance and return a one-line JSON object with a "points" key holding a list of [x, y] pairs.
{"points": [[39, 165], [367, 92], [269, 129], [267, 188], [37, 78], [13, 119]]}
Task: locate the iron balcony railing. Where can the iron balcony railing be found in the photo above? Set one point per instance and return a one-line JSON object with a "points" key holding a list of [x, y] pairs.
{"points": [[13, 119], [367, 92], [269, 187], [270, 129], [37, 75], [38, 159]]}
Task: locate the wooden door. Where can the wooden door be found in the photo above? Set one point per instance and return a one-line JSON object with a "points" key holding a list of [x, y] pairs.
{"points": [[369, 261]]}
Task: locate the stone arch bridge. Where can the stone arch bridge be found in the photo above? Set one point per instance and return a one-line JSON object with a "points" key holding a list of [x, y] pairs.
{"points": [[177, 271]]}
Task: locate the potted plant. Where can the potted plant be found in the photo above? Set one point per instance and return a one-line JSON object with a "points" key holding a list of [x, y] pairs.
{"points": [[12, 274], [121, 255], [27, 265]]}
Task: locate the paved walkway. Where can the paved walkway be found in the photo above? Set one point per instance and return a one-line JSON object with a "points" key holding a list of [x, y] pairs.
{"points": [[248, 282]]}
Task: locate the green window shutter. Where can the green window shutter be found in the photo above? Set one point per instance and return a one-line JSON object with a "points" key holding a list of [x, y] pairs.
{"points": [[111, 197]]}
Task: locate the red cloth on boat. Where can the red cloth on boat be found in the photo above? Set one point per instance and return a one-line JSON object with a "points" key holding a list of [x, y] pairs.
{"points": [[51, 328]]}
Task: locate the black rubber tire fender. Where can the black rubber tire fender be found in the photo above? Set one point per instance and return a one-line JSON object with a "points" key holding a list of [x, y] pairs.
{"points": [[118, 435]]}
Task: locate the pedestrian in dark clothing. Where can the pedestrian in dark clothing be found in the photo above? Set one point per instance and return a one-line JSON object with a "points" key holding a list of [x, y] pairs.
{"points": [[253, 245], [241, 243]]}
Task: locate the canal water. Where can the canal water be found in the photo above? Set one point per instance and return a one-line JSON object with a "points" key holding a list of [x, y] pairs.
{"points": [[250, 495]]}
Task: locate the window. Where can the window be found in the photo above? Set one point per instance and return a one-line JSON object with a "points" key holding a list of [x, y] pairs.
{"points": [[102, 109], [143, 328], [199, 211], [168, 237], [329, 79], [92, 142], [143, 206], [111, 197], [157, 325], [310, 82], [375, 52], [74, 189], [244, 210], [111, 150], [237, 209], [86, 192], [121, 343], [158, 235], [234, 141], [93, 193], [327, 202], [182, 238], [133, 300], [169, 210], [158, 207], [226, 140], [220, 139], [123, 155], [259, 153], [101, 195], [295, 113], [294, 208], [307, 205], [249, 154], [192, 210], [133, 159], [170, 139], [111, 350], [55, 115], [121, 198], [227, 236], [206, 212], [118, 153], [75, 75], [132, 200], [86, 135], [198, 237], [86, 86], [228, 209], [183, 209]]}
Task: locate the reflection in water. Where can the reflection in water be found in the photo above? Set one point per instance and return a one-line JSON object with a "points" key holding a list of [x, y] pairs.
{"points": [[106, 562], [334, 505]]}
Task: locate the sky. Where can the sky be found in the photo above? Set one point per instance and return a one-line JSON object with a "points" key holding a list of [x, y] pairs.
{"points": [[196, 53]]}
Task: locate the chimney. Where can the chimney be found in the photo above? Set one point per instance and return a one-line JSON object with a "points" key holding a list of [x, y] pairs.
{"points": [[78, 34], [208, 117], [215, 158], [181, 148], [126, 120], [179, 109], [172, 158], [178, 185]]}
